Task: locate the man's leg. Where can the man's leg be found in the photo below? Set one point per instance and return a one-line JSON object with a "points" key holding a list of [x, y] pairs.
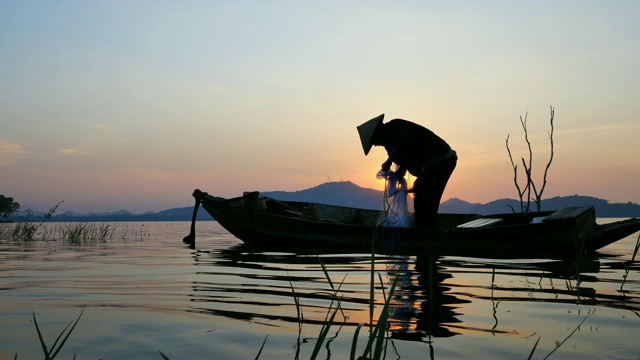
{"points": [[428, 190]]}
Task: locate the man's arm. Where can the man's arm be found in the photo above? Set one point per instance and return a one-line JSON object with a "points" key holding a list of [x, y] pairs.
{"points": [[398, 137], [393, 156]]}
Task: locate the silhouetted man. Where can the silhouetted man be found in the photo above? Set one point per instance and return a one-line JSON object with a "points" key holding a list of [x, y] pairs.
{"points": [[418, 150]]}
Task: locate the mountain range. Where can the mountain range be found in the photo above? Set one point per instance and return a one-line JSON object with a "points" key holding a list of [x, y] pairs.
{"points": [[346, 193]]}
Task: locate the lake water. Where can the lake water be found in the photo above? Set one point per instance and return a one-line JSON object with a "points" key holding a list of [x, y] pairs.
{"points": [[144, 291]]}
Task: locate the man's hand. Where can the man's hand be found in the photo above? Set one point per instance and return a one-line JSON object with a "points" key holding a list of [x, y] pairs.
{"points": [[386, 166]]}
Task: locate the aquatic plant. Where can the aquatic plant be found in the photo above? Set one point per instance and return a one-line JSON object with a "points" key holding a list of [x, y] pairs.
{"points": [[558, 344], [25, 230], [331, 311], [50, 353], [375, 344], [376, 337], [262, 347], [85, 233], [72, 233], [143, 235], [633, 258]]}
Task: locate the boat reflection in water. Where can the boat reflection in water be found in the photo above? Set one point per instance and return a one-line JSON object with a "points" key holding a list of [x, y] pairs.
{"points": [[432, 303], [435, 297]]}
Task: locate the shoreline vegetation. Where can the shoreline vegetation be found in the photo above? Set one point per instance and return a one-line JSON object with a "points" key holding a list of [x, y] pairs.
{"points": [[76, 233], [28, 230]]}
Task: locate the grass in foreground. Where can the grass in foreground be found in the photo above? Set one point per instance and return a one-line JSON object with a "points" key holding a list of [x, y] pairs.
{"points": [[50, 353]]}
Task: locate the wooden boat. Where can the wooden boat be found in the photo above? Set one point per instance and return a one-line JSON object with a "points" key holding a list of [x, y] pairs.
{"points": [[277, 224]]}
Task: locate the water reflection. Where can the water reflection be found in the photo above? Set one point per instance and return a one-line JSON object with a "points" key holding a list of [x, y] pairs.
{"points": [[433, 296]]}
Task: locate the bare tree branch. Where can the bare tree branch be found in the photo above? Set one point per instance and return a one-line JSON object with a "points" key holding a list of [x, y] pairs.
{"points": [[515, 174], [546, 170], [528, 169]]}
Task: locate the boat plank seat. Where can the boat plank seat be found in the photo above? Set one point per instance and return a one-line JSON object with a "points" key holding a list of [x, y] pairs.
{"points": [[293, 212], [480, 223], [581, 212]]}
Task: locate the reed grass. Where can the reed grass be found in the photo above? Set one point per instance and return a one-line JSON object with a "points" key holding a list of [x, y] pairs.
{"points": [[331, 311], [262, 347], [636, 249], [51, 352], [85, 233], [80, 233], [296, 300], [558, 345], [633, 258], [376, 338], [25, 230]]}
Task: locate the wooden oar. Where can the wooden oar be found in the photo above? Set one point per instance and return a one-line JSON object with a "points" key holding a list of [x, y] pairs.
{"points": [[191, 238]]}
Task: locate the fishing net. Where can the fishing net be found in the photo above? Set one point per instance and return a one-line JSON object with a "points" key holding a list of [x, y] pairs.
{"points": [[394, 204], [395, 215]]}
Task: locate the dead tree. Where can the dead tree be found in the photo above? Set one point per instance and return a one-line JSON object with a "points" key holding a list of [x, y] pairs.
{"points": [[525, 193]]}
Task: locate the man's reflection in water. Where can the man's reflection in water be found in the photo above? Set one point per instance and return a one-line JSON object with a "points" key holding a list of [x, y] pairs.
{"points": [[421, 308]]}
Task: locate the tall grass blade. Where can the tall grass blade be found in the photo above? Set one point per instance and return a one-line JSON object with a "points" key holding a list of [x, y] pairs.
{"points": [[262, 347], [326, 273], [68, 334], [323, 333], [354, 343], [384, 296], [493, 276], [380, 335], [633, 258], [372, 278], [329, 319], [567, 338], [296, 299], [44, 346], [534, 348], [55, 343], [333, 289], [377, 335], [384, 317], [50, 354], [636, 249]]}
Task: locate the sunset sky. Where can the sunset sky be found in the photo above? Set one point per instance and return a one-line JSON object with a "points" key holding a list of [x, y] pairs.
{"points": [[112, 105]]}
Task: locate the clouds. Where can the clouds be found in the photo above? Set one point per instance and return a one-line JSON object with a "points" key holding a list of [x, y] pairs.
{"points": [[72, 151], [10, 152]]}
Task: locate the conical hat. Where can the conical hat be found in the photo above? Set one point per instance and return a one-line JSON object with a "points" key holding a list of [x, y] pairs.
{"points": [[367, 130]]}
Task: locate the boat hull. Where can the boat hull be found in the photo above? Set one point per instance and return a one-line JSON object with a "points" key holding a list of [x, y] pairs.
{"points": [[569, 232]]}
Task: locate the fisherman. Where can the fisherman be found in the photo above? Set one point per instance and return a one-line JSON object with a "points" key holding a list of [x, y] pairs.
{"points": [[418, 150]]}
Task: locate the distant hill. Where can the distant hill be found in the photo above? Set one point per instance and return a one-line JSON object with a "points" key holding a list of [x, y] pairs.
{"points": [[174, 214], [603, 207], [346, 193], [342, 193]]}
